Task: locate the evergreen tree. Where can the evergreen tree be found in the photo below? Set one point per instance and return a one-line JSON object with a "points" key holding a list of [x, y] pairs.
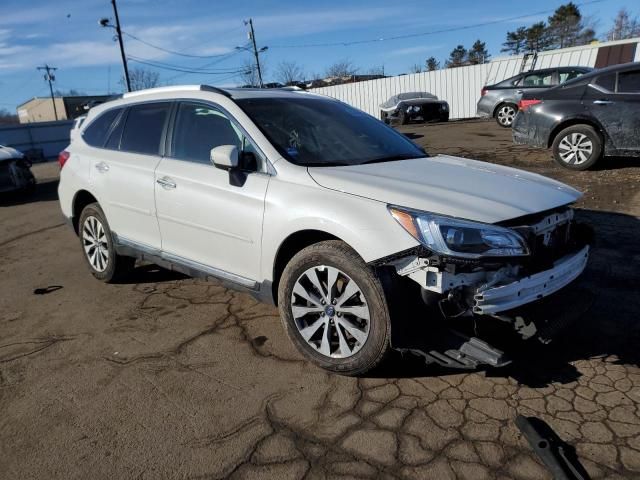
{"points": [[478, 53], [432, 64], [457, 57], [537, 37], [567, 29], [516, 41]]}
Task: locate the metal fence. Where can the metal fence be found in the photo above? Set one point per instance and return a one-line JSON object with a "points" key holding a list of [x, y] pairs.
{"points": [[459, 86], [51, 137]]}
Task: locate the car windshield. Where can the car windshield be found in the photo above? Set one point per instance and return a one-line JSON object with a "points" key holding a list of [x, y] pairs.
{"points": [[321, 132]]}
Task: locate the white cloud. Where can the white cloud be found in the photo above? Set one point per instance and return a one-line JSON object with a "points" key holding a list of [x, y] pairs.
{"points": [[414, 50]]}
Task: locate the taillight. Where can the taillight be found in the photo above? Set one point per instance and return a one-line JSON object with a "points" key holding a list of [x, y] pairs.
{"points": [[484, 91], [524, 104], [63, 157]]}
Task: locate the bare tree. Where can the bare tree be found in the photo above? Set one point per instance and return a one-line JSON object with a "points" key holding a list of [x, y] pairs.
{"points": [[8, 118], [289, 73], [624, 26], [379, 70], [249, 74], [416, 68], [142, 78], [343, 68]]}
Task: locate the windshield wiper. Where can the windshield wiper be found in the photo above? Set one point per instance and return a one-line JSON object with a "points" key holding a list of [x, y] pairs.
{"points": [[391, 158]]}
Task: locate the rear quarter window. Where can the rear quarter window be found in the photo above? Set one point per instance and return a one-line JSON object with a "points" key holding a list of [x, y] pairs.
{"points": [[629, 82], [96, 132]]}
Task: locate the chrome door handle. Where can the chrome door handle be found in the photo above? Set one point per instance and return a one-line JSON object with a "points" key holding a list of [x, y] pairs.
{"points": [[519, 91], [603, 102], [102, 167], [166, 182]]}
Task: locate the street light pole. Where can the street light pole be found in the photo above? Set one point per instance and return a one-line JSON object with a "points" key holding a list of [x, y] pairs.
{"points": [[255, 51], [50, 77], [124, 58]]}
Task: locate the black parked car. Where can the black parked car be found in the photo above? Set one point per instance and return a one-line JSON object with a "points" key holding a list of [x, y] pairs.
{"points": [[582, 120], [414, 107]]}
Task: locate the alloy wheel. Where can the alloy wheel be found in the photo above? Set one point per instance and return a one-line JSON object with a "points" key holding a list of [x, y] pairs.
{"points": [[575, 148], [330, 312], [506, 115], [94, 241]]}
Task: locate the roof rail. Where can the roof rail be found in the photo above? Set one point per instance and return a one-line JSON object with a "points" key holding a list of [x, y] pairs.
{"points": [[177, 88]]}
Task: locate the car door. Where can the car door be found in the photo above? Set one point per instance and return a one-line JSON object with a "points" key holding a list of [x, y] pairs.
{"points": [[122, 172], [614, 100], [204, 216]]}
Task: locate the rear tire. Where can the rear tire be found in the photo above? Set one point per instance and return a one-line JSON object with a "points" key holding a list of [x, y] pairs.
{"points": [[345, 328], [577, 147], [98, 248], [505, 113]]}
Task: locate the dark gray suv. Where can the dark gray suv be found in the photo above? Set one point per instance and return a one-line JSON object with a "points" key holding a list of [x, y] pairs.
{"points": [[500, 101]]}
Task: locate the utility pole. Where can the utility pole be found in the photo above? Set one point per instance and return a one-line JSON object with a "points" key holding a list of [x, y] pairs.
{"points": [[124, 58], [50, 77], [252, 36]]}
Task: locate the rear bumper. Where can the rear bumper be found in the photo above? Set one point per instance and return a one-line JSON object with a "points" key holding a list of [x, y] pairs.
{"points": [[532, 288]]}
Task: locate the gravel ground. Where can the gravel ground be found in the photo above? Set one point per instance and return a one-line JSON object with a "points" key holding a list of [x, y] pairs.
{"points": [[168, 377]]}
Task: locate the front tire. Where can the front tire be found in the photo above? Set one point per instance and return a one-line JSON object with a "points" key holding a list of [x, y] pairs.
{"points": [[98, 248], [577, 147], [505, 114], [334, 310]]}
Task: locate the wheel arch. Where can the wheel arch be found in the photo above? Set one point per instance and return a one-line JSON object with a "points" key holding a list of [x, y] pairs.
{"points": [[81, 199], [289, 247], [576, 121], [500, 104]]}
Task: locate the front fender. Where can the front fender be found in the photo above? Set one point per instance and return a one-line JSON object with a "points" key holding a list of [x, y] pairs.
{"points": [[364, 224]]}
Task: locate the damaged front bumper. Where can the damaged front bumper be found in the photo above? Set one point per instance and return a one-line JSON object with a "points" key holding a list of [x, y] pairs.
{"points": [[529, 289]]}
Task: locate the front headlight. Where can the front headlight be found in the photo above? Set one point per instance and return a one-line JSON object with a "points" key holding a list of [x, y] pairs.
{"points": [[460, 238]]}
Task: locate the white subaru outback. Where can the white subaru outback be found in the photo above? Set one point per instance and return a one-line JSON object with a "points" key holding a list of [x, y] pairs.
{"points": [[319, 208]]}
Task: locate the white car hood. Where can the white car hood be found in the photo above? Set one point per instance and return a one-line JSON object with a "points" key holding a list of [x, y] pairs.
{"points": [[451, 186], [8, 153]]}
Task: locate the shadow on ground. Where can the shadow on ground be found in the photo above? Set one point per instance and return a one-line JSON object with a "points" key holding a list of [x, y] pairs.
{"points": [[43, 192]]}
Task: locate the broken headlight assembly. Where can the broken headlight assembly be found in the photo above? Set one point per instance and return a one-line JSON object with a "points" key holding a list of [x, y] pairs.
{"points": [[460, 238]]}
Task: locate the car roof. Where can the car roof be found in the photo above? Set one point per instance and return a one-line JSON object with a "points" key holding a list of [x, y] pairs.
{"points": [[601, 71]]}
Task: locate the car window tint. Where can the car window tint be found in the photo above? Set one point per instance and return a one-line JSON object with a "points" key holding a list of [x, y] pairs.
{"points": [[567, 75], [143, 128], [629, 82], [96, 133], [608, 82], [113, 143], [538, 80], [200, 128]]}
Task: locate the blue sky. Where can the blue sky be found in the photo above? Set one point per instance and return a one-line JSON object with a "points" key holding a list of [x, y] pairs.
{"points": [[66, 34]]}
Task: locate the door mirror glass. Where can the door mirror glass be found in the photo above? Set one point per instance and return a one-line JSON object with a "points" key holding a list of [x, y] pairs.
{"points": [[225, 157]]}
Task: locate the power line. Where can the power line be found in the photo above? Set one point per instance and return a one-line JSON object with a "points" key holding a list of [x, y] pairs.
{"points": [[210, 64], [422, 34], [185, 70], [173, 52], [160, 64]]}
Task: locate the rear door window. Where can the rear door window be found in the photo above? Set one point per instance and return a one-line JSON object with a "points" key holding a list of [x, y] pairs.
{"points": [[144, 127], [96, 133], [538, 80], [629, 82]]}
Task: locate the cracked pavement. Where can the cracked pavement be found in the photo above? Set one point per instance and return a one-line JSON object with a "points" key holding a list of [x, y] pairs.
{"points": [[166, 376]]}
